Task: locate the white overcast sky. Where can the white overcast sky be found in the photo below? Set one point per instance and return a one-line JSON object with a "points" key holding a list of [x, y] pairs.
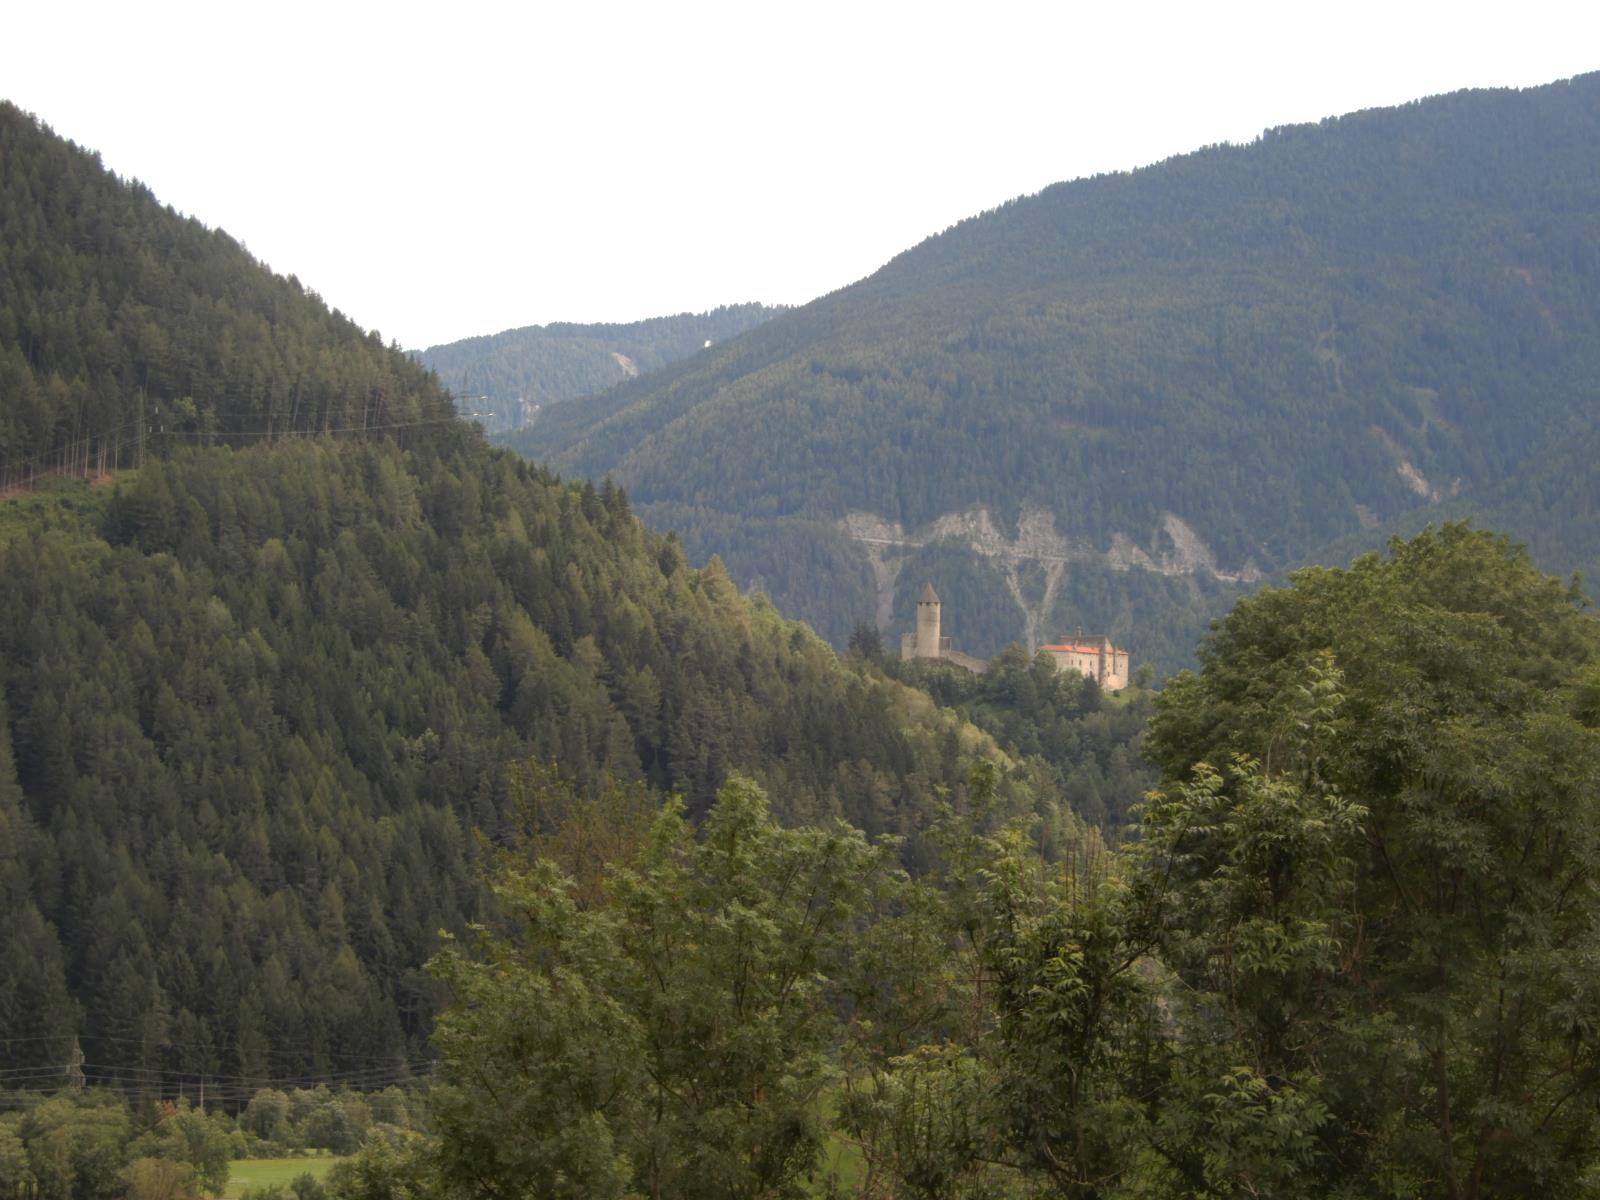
{"points": [[451, 169]]}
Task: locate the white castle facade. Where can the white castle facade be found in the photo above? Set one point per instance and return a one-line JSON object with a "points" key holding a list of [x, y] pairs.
{"points": [[1093, 655]]}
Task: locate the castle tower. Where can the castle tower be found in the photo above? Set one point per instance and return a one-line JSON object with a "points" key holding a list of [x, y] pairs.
{"points": [[928, 623], [929, 641]]}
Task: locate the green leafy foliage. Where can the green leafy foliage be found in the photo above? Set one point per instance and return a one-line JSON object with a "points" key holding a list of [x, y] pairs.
{"points": [[188, 1136], [1352, 952], [1086, 741], [100, 1143], [671, 1040], [74, 1147], [1385, 903]]}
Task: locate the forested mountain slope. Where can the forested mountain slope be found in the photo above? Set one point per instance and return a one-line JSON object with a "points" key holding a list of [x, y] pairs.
{"points": [[263, 696], [257, 701], [1093, 404], [505, 379], [126, 329]]}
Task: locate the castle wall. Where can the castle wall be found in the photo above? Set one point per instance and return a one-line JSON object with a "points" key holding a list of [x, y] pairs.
{"points": [[976, 665], [1116, 671], [913, 646], [1095, 657]]}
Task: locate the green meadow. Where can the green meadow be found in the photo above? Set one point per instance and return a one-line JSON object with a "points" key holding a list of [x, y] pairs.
{"points": [[245, 1174]]}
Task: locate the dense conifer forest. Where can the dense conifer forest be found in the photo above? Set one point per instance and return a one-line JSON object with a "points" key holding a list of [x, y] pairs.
{"points": [[126, 331], [262, 696], [259, 700], [1279, 343], [368, 789]]}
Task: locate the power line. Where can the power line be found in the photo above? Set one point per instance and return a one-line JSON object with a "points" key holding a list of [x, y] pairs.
{"points": [[236, 1091], [306, 1047], [373, 1073], [359, 1077], [30, 466], [311, 1078], [285, 1050]]}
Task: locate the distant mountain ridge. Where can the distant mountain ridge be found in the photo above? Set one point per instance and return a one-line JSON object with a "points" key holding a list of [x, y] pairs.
{"points": [[506, 379], [1249, 350]]}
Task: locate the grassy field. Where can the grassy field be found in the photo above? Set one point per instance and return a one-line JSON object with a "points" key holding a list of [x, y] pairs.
{"points": [[842, 1168], [272, 1172]]}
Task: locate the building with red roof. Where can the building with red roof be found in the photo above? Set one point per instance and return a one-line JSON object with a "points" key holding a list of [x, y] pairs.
{"points": [[1095, 657]]}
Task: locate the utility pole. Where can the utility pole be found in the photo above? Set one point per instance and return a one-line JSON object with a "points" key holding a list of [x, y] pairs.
{"points": [[75, 1076]]}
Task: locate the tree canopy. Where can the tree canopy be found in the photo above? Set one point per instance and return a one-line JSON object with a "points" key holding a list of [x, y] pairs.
{"points": [[1351, 953], [1383, 792]]}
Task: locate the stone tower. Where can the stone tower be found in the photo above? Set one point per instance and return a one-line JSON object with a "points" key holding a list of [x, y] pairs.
{"points": [[928, 643], [929, 640]]}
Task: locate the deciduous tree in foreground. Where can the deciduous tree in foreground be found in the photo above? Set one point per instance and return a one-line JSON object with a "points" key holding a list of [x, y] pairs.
{"points": [[1352, 953]]}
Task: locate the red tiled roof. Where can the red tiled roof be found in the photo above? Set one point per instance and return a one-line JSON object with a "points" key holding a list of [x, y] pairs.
{"points": [[1081, 649]]}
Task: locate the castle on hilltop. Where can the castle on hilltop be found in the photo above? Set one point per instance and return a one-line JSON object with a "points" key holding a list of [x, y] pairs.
{"points": [[926, 641], [1094, 656]]}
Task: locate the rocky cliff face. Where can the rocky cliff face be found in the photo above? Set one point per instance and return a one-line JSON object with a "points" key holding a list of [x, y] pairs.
{"points": [[1037, 554]]}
